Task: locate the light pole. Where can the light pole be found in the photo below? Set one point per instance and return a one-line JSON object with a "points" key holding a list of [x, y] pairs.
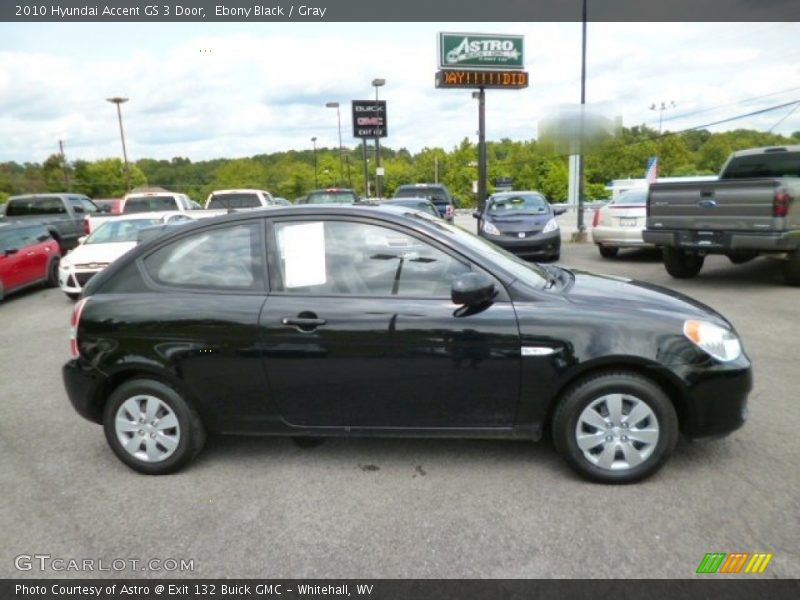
{"points": [[314, 142], [661, 108], [378, 82], [119, 100], [339, 120], [480, 96]]}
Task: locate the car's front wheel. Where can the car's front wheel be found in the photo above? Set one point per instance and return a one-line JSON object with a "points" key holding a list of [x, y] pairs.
{"points": [[615, 427], [151, 427]]}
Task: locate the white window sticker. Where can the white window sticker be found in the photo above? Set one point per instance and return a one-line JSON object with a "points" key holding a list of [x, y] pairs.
{"points": [[303, 250]]}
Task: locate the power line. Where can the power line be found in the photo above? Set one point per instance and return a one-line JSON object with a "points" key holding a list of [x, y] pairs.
{"points": [[738, 102], [783, 118]]}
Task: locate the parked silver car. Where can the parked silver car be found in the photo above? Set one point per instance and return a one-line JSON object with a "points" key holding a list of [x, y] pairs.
{"points": [[619, 224]]}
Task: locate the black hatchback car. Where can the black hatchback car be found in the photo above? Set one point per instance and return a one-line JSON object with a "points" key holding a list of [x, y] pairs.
{"points": [[332, 321], [521, 222]]}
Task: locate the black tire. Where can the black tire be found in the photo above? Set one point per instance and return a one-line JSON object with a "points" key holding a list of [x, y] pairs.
{"points": [[52, 273], [682, 264], [73, 297], [592, 388], [191, 431], [791, 268], [608, 251]]}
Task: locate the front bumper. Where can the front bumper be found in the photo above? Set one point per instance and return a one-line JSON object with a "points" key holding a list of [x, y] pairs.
{"points": [[532, 245], [721, 242], [72, 280], [716, 403], [84, 385]]}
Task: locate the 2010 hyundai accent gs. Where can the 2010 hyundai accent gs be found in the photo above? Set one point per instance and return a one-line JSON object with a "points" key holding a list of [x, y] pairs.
{"points": [[316, 321]]}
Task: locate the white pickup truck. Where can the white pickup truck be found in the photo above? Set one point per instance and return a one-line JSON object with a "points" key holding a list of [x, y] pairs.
{"points": [[239, 199], [154, 202]]}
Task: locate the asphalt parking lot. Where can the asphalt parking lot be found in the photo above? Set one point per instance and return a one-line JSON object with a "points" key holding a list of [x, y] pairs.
{"points": [[263, 507]]}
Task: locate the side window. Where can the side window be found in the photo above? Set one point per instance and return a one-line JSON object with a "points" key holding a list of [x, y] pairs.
{"points": [[88, 206], [339, 257], [222, 258], [77, 205], [28, 236]]}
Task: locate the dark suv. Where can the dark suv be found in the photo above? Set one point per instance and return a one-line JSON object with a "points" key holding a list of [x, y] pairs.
{"points": [[435, 192]]}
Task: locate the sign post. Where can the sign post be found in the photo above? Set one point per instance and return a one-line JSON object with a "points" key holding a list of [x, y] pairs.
{"points": [[481, 61], [369, 121]]}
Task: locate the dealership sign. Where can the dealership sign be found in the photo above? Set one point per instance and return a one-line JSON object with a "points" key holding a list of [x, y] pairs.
{"points": [[369, 118], [480, 51]]}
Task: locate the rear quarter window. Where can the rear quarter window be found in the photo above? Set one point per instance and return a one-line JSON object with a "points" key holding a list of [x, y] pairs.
{"points": [[35, 206]]}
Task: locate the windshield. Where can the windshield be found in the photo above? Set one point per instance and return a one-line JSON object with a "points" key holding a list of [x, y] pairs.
{"points": [[122, 230], [435, 195], [530, 273], [528, 203], [632, 197], [331, 198], [242, 200], [138, 204]]}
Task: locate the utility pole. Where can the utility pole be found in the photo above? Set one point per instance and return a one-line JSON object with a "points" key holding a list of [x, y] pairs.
{"points": [[64, 164], [580, 236], [119, 100], [339, 121], [366, 169], [481, 96], [377, 82], [314, 142]]}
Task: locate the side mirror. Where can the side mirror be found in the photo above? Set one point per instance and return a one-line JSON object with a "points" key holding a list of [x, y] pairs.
{"points": [[472, 289], [82, 239], [10, 251], [476, 214], [559, 210]]}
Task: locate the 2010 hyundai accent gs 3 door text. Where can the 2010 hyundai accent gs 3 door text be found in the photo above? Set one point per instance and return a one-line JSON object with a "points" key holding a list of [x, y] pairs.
{"points": [[318, 321]]}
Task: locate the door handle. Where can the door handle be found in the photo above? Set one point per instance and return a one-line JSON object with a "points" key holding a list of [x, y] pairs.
{"points": [[301, 322], [305, 321]]}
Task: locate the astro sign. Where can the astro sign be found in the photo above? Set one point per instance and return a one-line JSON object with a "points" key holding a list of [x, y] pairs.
{"points": [[369, 119], [480, 51]]}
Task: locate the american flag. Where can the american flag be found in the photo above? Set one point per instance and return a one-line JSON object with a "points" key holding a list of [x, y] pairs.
{"points": [[651, 172]]}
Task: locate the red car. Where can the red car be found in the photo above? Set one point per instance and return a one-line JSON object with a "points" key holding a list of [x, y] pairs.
{"points": [[28, 256], [112, 206]]}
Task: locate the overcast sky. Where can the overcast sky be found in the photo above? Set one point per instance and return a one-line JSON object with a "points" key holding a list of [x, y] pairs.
{"points": [[234, 89]]}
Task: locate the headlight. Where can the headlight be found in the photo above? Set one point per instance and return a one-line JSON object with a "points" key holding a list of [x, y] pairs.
{"points": [[490, 228], [65, 263], [552, 225], [720, 343]]}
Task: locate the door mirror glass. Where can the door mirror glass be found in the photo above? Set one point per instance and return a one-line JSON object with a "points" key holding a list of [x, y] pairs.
{"points": [[559, 210], [10, 251], [476, 214], [472, 289]]}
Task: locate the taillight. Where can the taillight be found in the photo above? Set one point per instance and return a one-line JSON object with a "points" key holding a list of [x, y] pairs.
{"points": [[74, 320], [596, 220], [780, 204], [86, 230]]}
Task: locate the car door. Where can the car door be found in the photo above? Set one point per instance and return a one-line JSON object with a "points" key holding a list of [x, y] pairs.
{"points": [[12, 273], [33, 253], [359, 331]]}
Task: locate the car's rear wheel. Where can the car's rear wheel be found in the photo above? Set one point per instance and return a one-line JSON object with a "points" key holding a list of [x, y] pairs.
{"points": [[608, 251], [682, 264], [151, 427], [791, 268], [616, 427]]}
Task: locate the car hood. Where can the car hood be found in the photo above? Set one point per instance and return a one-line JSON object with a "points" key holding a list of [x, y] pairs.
{"points": [[99, 253], [514, 223], [624, 295]]}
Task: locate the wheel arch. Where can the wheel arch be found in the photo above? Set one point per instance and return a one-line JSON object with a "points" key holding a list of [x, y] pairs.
{"points": [[667, 381]]}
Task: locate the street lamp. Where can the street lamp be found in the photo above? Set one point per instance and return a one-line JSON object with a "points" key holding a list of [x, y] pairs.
{"points": [[314, 142], [339, 119], [119, 100], [661, 108], [378, 82]]}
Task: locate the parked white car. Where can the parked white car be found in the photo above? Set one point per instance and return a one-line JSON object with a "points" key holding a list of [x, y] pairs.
{"points": [[104, 245], [619, 224], [239, 199]]}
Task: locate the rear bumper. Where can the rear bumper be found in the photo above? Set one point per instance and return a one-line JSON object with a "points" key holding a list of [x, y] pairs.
{"points": [[618, 236], [83, 385], [721, 242]]}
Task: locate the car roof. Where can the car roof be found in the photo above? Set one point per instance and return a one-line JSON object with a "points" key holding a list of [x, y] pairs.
{"points": [[766, 150], [516, 193], [239, 191], [161, 214]]}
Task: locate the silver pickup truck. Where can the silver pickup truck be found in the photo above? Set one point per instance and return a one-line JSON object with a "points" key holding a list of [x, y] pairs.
{"points": [[750, 211], [62, 214]]}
